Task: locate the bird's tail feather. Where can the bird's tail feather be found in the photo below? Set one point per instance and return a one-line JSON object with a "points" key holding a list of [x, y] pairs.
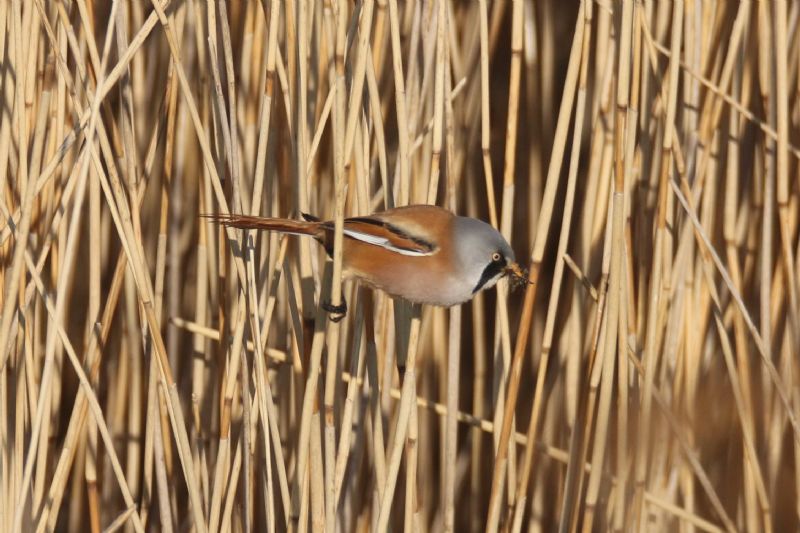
{"points": [[284, 225]]}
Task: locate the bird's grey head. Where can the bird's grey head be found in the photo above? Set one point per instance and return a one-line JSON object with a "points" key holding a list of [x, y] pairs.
{"points": [[484, 255]]}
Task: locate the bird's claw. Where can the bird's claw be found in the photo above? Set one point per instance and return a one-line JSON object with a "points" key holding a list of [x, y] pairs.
{"points": [[336, 312]]}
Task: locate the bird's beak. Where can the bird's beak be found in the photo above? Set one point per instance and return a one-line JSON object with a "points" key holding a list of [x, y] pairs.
{"points": [[516, 271]]}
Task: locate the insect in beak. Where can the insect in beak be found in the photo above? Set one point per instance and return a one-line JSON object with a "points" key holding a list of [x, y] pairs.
{"points": [[517, 273]]}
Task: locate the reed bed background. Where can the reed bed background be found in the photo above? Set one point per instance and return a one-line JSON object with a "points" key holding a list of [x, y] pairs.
{"points": [[160, 373]]}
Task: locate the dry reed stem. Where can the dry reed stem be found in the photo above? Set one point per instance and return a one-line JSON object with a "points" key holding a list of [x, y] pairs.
{"points": [[522, 488], [499, 472]]}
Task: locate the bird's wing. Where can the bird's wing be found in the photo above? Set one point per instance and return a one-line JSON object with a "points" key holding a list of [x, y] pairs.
{"points": [[377, 232]]}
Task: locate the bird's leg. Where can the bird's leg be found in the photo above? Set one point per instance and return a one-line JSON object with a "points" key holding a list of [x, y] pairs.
{"points": [[336, 312]]}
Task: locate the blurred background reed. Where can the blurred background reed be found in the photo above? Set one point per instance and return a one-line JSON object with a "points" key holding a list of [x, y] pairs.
{"points": [[158, 373]]}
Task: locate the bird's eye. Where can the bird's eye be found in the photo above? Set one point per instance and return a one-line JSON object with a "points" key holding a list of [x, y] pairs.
{"points": [[496, 257]]}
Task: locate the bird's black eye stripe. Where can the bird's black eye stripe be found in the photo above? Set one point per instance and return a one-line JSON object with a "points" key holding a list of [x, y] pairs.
{"points": [[492, 269]]}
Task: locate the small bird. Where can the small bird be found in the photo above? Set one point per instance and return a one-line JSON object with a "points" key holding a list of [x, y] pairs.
{"points": [[421, 253]]}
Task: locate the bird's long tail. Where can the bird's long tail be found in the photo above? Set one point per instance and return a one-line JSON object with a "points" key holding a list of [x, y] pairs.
{"points": [[284, 225]]}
